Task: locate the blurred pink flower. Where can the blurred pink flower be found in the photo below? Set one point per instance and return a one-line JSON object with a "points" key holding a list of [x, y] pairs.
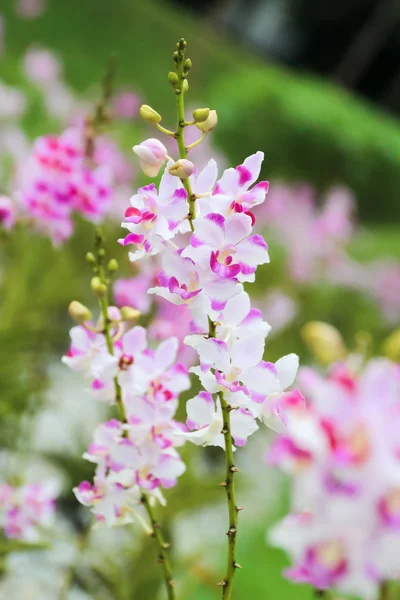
{"points": [[384, 282], [26, 510], [12, 102], [132, 291], [7, 212], [280, 308], [341, 451], [126, 104], [55, 182], [42, 66], [107, 152], [313, 238], [30, 9]]}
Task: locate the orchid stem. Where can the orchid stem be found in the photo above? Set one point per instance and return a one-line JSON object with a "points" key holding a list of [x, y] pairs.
{"points": [[179, 135], [197, 142], [233, 510], [163, 557], [229, 485], [165, 130], [384, 593], [104, 305]]}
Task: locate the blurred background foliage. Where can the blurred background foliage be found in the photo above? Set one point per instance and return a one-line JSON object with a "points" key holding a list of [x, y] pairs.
{"points": [[310, 130]]}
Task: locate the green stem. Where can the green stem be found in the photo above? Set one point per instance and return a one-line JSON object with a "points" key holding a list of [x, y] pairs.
{"points": [[197, 142], [179, 134], [163, 557], [164, 130], [100, 116], [384, 591], [104, 305], [233, 510], [229, 485]]}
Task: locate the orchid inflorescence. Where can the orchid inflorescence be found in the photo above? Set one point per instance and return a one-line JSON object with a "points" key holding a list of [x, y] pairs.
{"points": [[198, 231]]}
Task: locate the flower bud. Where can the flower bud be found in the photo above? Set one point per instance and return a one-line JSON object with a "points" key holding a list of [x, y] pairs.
{"points": [[79, 312], [129, 314], [149, 114], [210, 123], [112, 265], [324, 342], [182, 168], [114, 314], [391, 346], [90, 258], [201, 114], [152, 154], [173, 78], [185, 85], [187, 65], [98, 287]]}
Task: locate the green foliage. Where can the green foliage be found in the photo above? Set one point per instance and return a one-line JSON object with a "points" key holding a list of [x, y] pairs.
{"points": [[313, 131]]}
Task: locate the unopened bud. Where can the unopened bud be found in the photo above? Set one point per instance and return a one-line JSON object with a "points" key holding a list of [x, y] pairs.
{"points": [[149, 114], [185, 85], [182, 43], [129, 314], [391, 346], [152, 154], [112, 265], [210, 123], [98, 287], [324, 341], [201, 114], [79, 312], [183, 168], [187, 65], [173, 78], [90, 258]]}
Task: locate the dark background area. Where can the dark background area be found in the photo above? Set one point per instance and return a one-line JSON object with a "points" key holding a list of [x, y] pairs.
{"points": [[354, 42]]}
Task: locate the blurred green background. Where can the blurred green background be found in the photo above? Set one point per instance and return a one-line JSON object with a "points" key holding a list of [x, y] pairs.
{"points": [[311, 130]]}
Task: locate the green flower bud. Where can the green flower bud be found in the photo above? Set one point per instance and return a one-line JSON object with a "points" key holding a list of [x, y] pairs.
{"points": [[185, 85], [324, 342], [129, 314], [210, 123], [391, 346], [173, 78], [149, 114], [79, 312], [90, 257], [187, 65], [98, 287], [201, 114], [182, 168], [113, 265]]}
